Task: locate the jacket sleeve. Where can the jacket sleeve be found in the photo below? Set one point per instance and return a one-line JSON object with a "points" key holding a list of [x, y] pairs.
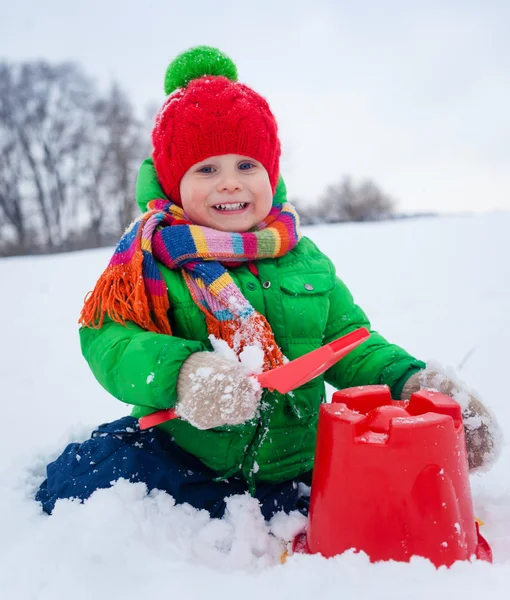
{"points": [[136, 366], [376, 361]]}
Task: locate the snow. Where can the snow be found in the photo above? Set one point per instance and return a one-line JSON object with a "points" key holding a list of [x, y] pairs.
{"points": [[251, 357], [438, 287]]}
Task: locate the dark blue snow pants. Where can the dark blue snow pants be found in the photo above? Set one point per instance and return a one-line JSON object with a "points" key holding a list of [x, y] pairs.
{"points": [[120, 449]]}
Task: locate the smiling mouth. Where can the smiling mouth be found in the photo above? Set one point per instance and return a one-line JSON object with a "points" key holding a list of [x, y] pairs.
{"points": [[231, 207]]}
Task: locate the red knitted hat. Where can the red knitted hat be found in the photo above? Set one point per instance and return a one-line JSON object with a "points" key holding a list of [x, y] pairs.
{"points": [[208, 114]]}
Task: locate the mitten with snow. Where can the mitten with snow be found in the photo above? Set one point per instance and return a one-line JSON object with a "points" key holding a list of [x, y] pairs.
{"points": [[482, 431], [214, 391]]}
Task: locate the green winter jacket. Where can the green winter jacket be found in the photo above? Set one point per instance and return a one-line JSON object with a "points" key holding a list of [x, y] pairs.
{"points": [[307, 306]]}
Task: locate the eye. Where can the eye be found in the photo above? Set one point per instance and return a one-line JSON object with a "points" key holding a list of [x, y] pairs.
{"points": [[206, 170], [246, 165]]}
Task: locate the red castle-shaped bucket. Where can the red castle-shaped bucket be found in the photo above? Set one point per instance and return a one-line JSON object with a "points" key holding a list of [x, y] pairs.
{"points": [[391, 479]]}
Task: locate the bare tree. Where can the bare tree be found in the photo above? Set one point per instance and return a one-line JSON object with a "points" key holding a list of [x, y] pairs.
{"points": [[68, 158], [346, 201], [12, 219], [124, 145], [44, 110]]}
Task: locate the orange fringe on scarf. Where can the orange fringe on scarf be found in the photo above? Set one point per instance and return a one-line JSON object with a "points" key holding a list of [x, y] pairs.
{"points": [[120, 294]]}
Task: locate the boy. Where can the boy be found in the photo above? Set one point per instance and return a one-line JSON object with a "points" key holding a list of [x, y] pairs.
{"points": [[217, 259]]}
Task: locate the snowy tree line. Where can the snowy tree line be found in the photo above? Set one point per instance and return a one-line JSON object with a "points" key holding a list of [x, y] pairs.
{"points": [[69, 157], [348, 201]]}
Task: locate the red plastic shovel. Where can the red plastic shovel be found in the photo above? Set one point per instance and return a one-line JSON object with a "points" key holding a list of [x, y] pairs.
{"points": [[290, 376]]}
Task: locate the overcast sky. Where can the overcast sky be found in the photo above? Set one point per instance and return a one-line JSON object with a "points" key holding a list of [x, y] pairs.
{"points": [[414, 94]]}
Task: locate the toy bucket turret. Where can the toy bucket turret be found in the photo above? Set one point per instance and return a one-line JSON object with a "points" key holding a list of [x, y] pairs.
{"points": [[391, 479]]}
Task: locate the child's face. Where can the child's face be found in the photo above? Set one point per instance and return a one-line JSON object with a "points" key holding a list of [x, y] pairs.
{"points": [[228, 192]]}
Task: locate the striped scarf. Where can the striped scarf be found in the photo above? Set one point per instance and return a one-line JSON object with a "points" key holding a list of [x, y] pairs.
{"points": [[132, 287]]}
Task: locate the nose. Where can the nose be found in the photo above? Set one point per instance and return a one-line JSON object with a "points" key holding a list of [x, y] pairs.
{"points": [[229, 184]]}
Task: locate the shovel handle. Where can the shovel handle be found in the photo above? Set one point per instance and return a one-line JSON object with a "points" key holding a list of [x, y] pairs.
{"points": [[290, 376], [156, 418]]}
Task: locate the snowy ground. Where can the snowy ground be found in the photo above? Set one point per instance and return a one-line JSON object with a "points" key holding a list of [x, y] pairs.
{"points": [[439, 287]]}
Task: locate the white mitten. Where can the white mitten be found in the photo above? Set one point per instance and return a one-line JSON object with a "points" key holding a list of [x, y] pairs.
{"points": [[214, 391], [482, 431]]}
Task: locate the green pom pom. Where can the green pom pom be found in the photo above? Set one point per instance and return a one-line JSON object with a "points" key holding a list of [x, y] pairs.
{"points": [[195, 63]]}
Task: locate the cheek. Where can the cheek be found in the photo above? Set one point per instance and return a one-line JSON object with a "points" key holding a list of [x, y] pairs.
{"points": [[193, 201], [265, 197]]}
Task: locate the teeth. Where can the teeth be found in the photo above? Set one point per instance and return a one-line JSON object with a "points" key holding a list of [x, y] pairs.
{"points": [[237, 206]]}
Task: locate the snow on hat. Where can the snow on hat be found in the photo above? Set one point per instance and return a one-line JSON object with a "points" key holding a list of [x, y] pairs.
{"points": [[209, 113]]}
